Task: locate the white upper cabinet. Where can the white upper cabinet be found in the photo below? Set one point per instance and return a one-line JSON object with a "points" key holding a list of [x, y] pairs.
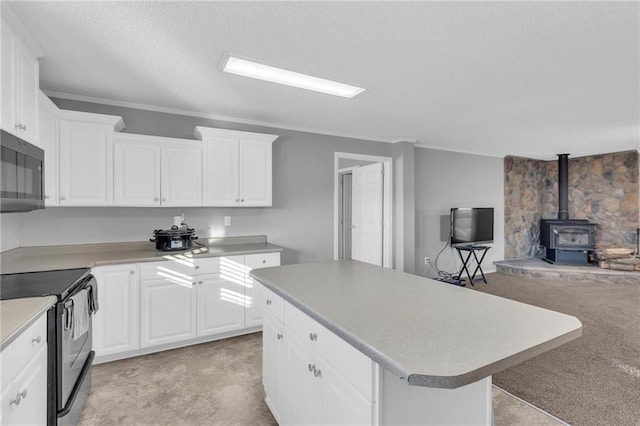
{"points": [[48, 138], [20, 84], [86, 158], [181, 172], [237, 167], [156, 171]]}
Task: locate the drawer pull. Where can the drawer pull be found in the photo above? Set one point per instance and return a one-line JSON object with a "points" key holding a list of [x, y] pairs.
{"points": [[279, 336], [36, 340], [15, 401], [311, 367], [264, 261], [197, 266], [313, 337], [317, 373], [268, 301], [23, 394]]}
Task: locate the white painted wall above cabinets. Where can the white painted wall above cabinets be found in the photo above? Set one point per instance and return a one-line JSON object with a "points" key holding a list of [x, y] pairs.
{"points": [[237, 167], [155, 171]]}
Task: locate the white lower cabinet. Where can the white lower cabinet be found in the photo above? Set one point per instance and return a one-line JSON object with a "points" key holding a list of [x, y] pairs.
{"points": [[253, 291], [116, 324], [167, 311], [24, 377], [220, 306], [310, 375], [273, 356], [175, 302]]}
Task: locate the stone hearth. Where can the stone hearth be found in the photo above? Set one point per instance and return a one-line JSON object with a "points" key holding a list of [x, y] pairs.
{"points": [[537, 268]]}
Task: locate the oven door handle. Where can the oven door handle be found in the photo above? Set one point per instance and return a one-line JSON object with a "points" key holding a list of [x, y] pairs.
{"points": [[76, 388]]}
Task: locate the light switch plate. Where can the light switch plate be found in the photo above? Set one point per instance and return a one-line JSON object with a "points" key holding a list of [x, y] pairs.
{"points": [[227, 221]]}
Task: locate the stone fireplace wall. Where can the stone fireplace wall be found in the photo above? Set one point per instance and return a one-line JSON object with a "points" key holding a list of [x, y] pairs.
{"points": [[602, 188], [523, 201]]}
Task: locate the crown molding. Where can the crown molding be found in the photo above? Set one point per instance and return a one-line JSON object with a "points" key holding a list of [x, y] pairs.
{"points": [[188, 113], [460, 151]]}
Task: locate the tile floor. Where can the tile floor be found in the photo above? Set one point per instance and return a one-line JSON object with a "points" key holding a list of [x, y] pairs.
{"points": [[216, 383]]}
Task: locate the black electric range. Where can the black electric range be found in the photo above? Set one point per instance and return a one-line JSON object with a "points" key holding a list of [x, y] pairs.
{"points": [[69, 354], [45, 283]]}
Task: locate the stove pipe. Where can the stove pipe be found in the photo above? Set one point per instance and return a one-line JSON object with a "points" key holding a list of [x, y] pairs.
{"points": [[563, 186]]}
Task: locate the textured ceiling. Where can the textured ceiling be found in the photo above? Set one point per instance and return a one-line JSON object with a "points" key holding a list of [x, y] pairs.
{"points": [[505, 78]]}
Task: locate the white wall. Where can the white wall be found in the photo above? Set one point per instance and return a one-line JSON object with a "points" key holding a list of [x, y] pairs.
{"points": [[449, 179], [9, 231]]}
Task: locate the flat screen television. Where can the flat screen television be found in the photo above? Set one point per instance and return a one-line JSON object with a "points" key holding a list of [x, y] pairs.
{"points": [[471, 226]]}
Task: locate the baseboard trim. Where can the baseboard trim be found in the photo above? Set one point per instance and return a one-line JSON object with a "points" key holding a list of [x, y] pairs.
{"points": [[532, 406]]}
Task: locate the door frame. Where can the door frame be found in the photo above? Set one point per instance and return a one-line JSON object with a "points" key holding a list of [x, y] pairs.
{"points": [[387, 202]]}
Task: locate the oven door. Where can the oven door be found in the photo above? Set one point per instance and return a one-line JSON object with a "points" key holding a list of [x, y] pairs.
{"points": [[72, 355]]}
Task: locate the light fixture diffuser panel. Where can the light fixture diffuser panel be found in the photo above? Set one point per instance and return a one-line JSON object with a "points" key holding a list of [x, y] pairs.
{"points": [[252, 69]]}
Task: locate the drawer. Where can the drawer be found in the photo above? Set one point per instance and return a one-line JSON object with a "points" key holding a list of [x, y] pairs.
{"points": [[352, 364], [262, 260], [179, 265], [273, 303], [23, 349]]}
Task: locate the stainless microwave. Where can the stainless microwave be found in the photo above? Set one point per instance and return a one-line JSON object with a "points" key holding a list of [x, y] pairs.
{"points": [[21, 175]]}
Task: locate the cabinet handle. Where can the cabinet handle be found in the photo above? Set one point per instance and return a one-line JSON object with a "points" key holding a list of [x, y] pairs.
{"points": [[237, 200], [164, 199], [317, 373], [132, 272], [156, 199], [23, 394], [268, 301], [279, 336], [264, 261], [17, 127], [311, 367], [313, 337], [46, 197], [62, 197], [242, 201], [199, 282], [36, 339], [15, 401], [24, 127], [197, 266]]}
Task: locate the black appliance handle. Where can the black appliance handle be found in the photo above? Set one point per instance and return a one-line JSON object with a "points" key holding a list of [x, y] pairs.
{"points": [[76, 389]]}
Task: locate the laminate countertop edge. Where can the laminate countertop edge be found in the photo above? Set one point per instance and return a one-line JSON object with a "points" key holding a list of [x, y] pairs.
{"points": [[18, 314]]}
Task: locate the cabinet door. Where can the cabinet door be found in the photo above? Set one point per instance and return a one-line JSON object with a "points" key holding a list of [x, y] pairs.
{"points": [[253, 290], [220, 305], [221, 172], [136, 173], [8, 85], [31, 384], [115, 325], [48, 138], [341, 402], [272, 365], [181, 180], [303, 393], [86, 164], [167, 311], [27, 69], [255, 173]]}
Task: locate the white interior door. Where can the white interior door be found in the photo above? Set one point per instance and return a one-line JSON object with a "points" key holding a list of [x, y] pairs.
{"points": [[367, 200]]}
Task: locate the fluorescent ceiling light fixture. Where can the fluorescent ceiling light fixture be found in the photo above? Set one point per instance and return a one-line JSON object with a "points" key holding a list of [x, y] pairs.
{"points": [[251, 69]]}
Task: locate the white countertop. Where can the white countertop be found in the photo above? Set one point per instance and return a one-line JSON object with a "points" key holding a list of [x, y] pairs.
{"points": [[426, 332], [18, 314]]}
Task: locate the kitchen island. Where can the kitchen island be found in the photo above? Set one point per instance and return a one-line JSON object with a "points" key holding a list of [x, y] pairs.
{"points": [[397, 348]]}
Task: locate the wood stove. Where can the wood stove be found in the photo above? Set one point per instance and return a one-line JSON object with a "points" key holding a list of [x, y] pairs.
{"points": [[567, 241]]}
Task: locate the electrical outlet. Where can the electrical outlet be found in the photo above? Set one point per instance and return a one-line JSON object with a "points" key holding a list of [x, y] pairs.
{"points": [[227, 221], [427, 260]]}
